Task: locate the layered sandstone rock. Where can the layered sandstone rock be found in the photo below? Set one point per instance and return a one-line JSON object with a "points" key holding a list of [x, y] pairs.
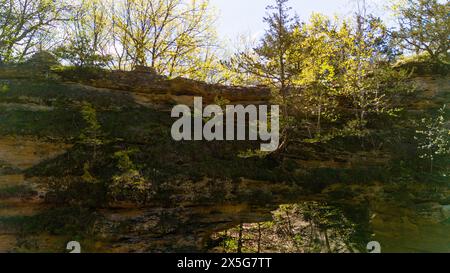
{"points": [[145, 80]]}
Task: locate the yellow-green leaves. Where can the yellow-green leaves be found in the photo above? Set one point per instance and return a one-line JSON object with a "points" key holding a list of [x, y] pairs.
{"points": [[174, 37], [4, 88]]}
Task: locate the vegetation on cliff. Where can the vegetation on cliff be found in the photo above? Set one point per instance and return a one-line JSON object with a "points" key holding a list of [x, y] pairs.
{"points": [[362, 106]]}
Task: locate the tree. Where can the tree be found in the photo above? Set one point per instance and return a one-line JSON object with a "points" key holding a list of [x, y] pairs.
{"points": [[86, 34], [91, 135], [268, 60], [23, 24], [295, 228], [194, 48], [434, 138], [369, 81], [318, 54], [424, 27], [129, 184], [172, 36], [276, 43], [345, 74]]}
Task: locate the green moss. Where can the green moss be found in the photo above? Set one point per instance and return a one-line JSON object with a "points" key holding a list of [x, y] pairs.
{"points": [[4, 88], [422, 65], [20, 191], [57, 221]]}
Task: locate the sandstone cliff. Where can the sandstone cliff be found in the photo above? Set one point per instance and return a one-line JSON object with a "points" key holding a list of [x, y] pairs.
{"points": [[200, 187]]}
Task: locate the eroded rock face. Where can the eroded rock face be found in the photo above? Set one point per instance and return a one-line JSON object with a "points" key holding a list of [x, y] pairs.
{"points": [[42, 60], [39, 66], [22, 152], [145, 69], [415, 224], [19, 197], [434, 92], [144, 80], [407, 229]]}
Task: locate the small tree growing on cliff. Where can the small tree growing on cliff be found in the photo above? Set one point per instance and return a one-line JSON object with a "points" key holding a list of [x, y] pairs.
{"points": [[434, 138], [129, 184], [91, 135], [343, 65], [369, 81], [268, 62]]}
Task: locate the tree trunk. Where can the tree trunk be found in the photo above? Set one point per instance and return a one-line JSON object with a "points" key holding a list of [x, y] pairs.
{"points": [[259, 238], [327, 241], [239, 246]]}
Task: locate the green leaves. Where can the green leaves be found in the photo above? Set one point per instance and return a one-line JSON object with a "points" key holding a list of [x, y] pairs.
{"points": [[129, 184], [424, 27], [4, 88], [433, 137], [91, 134], [87, 35], [25, 27]]}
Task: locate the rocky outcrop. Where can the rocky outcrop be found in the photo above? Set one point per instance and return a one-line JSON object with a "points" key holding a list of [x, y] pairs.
{"points": [[38, 67], [145, 80], [433, 92], [20, 197], [141, 80], [189, 207]]}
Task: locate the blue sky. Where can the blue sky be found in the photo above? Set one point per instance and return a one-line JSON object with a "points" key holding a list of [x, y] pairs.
{"points": [[237, 17]]}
